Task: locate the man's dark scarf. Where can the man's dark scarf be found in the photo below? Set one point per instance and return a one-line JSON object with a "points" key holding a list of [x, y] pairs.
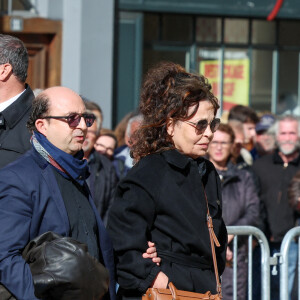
{"points": [[69, 166]]}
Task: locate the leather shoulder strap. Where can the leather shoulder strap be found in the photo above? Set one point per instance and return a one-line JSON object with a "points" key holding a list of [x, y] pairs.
{"points": [[213, 241]]}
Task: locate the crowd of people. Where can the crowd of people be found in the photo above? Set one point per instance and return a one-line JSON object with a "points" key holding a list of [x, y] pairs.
{"points": [[150, 199]]}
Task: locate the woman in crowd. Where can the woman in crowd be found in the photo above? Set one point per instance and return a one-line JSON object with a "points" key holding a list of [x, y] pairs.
{"points": [[240, 205], [106, 143], [163, 197]]}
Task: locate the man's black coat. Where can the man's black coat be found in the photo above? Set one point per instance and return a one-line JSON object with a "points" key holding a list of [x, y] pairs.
{"points": [[14, 135], [102, 183]]}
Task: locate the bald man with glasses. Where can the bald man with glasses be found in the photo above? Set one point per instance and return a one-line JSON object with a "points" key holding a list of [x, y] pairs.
{"points": [[46, 190]]}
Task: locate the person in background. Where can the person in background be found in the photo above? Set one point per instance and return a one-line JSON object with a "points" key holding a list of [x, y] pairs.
{"points": [[15, 99], [123, 161], [106, 143], [102, 180], [265, 139], [249, 118], [275, 172], [239, 155], [165, 196], [240, 206], [121, 128]]}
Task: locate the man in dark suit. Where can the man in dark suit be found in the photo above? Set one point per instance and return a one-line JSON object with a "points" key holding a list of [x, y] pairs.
{"points": [[45, 190], [15, 99], [102, 180]]}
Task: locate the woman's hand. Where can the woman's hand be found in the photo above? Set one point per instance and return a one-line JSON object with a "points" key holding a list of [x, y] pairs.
{"points": [[152, 253], [160, 281], [229, 254], [230, 238]]}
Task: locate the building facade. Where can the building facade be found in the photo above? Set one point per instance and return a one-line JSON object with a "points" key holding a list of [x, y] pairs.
{"points": [[102, 48]]}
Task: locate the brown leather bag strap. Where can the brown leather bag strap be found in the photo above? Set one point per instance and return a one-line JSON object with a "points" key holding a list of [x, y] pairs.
{"points": [[213, 241]]}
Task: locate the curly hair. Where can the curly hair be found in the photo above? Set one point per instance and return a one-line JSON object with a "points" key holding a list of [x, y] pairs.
{"points": [[167, 94], [40, 107]]}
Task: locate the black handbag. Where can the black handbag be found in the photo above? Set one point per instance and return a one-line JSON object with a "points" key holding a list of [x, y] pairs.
{"points": [[63, 269]]}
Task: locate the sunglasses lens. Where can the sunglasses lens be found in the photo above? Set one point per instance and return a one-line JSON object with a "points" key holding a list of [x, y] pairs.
{"points": [[202, 125], [214, 125], [74, 120], [89, 120]]}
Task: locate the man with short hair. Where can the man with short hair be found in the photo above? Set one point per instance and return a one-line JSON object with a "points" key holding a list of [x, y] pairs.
{"points": [[15, 99], [265, 139], [102, 180], [275, 172], [46, 190]]}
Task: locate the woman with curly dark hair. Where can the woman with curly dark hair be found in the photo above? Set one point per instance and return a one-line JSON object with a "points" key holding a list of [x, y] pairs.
{"points": [[163, 197]]}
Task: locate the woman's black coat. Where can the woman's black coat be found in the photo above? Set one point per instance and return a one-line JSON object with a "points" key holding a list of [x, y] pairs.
{"points": [[161, 200]]}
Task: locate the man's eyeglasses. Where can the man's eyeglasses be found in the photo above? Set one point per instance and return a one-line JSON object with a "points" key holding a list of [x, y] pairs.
{"points": [[222, 144], [108, 150], [202, 125], [73, 120]]}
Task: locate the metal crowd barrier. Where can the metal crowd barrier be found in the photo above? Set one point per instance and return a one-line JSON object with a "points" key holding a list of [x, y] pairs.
{"points": [[284, 262], [251, 231]]}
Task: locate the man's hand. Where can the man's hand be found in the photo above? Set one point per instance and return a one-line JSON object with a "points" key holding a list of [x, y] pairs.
{"points": [[160, 281], [151, 253]]}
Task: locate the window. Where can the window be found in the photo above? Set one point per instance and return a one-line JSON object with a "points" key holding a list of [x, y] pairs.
{"points": [[248, 61]]}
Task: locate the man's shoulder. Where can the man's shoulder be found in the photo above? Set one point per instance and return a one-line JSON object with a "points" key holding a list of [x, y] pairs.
{"points": [[25, 100], [266, 168], [102, 158], [17, 114], [267, 159], [102, 161], [27, 164]]}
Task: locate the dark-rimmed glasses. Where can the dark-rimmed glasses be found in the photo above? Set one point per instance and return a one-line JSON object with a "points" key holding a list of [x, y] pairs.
{"points": [[202, 125], [73, 120]]}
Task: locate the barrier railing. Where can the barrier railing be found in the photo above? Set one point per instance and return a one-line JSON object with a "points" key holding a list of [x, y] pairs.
{"points": [[251, 231], [284, 262]]}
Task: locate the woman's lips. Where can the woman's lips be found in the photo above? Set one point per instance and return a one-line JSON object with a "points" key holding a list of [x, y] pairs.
{"points": [[205, 146]]}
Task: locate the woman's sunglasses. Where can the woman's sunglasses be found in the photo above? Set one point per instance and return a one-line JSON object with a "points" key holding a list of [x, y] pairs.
{"points": [[73, 120], [202, 125]]}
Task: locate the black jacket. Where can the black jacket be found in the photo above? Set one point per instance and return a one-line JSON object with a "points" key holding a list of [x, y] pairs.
{"points": [[102, 183], [14, 136], [240, 207], [274, 180], [161, 200], [240, 199]]}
